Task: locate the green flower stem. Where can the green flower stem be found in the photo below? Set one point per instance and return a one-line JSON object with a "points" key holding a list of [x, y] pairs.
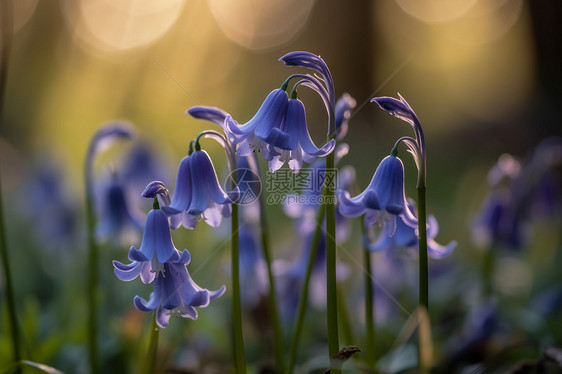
{"points": [[370, 353], [303, 300], [422, 228], [10, 299], [279, 348], [7, 28], [343, 314], [93, 259], [238, 340], [152, 355], [423, 271], [331, 289], [488, 270]]}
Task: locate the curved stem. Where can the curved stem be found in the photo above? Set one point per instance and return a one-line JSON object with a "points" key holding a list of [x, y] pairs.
{"points": [[238, 340], [279, 348], [303, 299], [221, 139], [331, 289]]}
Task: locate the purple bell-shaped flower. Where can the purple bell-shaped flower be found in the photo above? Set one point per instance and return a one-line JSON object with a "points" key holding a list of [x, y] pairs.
{"points": [[198, 193], [383, 199]]}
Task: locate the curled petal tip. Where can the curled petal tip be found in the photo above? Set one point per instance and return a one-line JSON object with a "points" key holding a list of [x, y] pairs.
{"points": [[154, 189]]}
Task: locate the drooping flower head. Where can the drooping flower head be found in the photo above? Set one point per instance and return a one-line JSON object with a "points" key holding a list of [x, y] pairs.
{"points": [[158, 260], [416, 146], [105, 136], [384, 199], [198, 194], [279, 128]]}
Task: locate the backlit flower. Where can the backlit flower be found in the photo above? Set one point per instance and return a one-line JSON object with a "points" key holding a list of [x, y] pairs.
{"points": [[198, 193], [384, 198]]}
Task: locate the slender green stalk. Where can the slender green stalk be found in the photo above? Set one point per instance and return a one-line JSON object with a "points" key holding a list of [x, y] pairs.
{"points": [[422, 228], [343, 315], [10, 299], [370, 353], [6, 18], [303, 299], [93, 259], [423, 275], [238, 340], [331, 289], [488, 270], [279, 348], [152, 354]]}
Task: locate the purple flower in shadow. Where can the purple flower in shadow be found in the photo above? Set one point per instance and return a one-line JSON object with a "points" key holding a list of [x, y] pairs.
{"points": [[407, 237]]}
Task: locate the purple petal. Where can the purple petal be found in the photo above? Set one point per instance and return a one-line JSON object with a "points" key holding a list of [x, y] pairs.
{"points": [[208, 113], [183, 192], [127, 272]]}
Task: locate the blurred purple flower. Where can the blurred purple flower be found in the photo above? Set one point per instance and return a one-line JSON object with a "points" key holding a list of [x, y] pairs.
{"points": [[50, 205], [253, 271], [407, 237], [344, 106], [198, 194], [292, 275], [117, 217], [304, 207]]}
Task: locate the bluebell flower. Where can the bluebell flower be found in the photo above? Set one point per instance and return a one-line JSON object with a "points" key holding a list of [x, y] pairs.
{"points": [[117, 217], [384, 198], [198, 194], [279, 130], [407, 237], [158, 260], [176, 293]]}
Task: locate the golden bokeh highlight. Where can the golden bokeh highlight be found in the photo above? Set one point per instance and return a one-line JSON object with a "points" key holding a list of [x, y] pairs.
{"points": [[466, 62], [257, 24]]}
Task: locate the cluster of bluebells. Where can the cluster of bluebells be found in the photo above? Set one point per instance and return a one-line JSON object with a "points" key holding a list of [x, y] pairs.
{"points": [[520, 192], [157, 260], [279, 132]]}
